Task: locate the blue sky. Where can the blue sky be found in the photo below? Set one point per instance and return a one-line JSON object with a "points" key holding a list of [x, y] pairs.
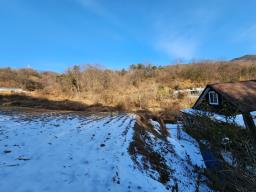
{"points": [[56, 34]]}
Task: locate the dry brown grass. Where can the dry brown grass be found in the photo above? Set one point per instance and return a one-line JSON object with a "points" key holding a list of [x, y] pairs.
{"points": [[139, 146], [17, 100]]}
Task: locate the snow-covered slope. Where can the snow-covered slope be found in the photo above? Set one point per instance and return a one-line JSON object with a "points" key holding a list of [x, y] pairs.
{"points": [[179, 161], [71, 152]]}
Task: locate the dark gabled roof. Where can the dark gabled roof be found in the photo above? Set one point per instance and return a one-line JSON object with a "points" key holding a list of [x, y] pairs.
{"points": [[242, 94]]}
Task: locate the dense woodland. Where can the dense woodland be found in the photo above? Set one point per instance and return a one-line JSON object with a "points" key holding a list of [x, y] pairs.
{"points": [[139, 87]]}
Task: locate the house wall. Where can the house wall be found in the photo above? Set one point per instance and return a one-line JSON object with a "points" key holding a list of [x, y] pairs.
{"points": [[224, 107]]}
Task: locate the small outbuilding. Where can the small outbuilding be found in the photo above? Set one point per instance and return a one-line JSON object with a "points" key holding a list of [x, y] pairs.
{"points": [[229, 99]]}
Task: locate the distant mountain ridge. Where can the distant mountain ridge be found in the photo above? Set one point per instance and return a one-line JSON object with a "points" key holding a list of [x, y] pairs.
{"points": [[245, 58]]}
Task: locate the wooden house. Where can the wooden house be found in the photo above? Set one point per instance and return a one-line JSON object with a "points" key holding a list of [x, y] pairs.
{"points": [[229, 99]]}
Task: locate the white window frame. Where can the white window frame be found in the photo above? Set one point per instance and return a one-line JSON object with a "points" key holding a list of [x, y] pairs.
{"points": [[213, 94]]}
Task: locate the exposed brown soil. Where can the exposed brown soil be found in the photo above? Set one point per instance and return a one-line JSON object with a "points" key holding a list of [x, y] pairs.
{"points": [[18, 100], [40, 103]]}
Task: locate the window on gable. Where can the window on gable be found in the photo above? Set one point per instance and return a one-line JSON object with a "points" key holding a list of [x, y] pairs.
{"points": [[213, 98]]}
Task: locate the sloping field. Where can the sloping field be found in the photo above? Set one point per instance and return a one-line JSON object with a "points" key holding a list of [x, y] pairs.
{"points": [[50, 151]]}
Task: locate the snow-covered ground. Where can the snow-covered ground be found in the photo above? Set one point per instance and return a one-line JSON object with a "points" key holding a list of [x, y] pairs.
{"points": [[72, 152], [185, 146], [237, 119], [185, 160]]}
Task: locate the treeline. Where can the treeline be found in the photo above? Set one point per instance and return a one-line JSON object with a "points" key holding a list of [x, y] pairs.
{"points": [[139, 87]]}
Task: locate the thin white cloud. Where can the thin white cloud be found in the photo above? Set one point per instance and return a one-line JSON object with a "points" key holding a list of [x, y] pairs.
{"points": [[247, 34], [93, 6], [178, 48], [96, 7], [183, 35]]}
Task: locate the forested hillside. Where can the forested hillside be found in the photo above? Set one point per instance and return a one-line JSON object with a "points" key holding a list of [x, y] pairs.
{"points": [[139, 87]]}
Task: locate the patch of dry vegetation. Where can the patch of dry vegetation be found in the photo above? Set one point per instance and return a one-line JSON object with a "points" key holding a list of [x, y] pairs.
{"points": [[240, 176], [18, 100], [141, 146]]}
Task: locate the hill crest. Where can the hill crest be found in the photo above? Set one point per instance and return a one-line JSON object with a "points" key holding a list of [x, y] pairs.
{"points": [[245, 58]]}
